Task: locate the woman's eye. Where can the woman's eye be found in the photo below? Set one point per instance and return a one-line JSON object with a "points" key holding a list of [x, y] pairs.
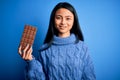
{"points": [[58, 18], [68, 18]]}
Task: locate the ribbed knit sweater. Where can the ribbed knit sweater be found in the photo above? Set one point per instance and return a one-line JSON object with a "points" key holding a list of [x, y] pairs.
{"points": [[63, 60]]}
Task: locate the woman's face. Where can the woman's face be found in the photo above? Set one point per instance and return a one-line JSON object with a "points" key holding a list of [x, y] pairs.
{"points": [[64, 20]]}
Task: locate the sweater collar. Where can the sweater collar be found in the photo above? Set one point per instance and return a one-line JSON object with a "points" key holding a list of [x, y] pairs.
{"points": [[61, 41]]}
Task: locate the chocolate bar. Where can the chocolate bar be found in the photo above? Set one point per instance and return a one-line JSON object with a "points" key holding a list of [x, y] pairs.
{"points": [[28, 36]]}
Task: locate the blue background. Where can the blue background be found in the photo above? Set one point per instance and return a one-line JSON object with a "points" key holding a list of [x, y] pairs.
{"points": [[99, 20]]}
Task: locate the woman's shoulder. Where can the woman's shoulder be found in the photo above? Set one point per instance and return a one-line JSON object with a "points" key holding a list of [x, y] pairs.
{"points": [[43, 47], [81, 45]]}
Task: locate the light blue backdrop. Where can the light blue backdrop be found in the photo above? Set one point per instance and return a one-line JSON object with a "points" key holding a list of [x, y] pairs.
{"points": [[99, 20]]}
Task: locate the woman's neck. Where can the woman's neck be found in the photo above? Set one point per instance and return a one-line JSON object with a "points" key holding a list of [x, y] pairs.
{"points": [[66, 40], [64, 35]]}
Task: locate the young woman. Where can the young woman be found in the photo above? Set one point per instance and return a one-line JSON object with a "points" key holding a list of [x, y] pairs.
{"points": [[63, 56]]}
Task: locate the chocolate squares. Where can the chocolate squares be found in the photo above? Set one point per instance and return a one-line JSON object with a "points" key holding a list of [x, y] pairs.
{"points": [[28, 36]]}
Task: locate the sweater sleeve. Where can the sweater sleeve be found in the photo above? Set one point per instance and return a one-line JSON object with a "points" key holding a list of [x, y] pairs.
{"points": [[34, 71], [88, 71]]}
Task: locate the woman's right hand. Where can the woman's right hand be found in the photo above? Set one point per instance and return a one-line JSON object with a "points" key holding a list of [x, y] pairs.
{"points": [[26, 54]]}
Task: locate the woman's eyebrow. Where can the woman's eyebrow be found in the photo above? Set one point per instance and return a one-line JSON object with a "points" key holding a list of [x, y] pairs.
{"points": [[65, 16], [68, 16]]}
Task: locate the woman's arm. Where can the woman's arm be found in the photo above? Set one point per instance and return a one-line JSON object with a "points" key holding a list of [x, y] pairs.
{"points": [[88, 71], [33, 70]]}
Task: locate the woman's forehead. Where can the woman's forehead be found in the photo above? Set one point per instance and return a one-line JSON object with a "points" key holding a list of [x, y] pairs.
{"points": [[63, 11]]}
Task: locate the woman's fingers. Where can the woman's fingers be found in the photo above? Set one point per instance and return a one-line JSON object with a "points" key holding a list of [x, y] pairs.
{"points": [[26, 48], [26, 54], [19, 50], [29, 54]]}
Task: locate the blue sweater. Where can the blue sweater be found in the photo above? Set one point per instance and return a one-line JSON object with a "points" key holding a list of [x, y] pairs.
{"points": [[63, 60]]}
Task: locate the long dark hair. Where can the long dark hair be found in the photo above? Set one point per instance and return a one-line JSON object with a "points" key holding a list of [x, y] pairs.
{"points": [[52, 30]]}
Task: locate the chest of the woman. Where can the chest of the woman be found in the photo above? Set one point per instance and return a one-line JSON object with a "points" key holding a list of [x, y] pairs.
{"points": [[63, 56], [63, 61]]}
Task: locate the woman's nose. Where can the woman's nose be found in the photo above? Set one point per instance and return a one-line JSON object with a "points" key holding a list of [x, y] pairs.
{"points": [[63, 21]]}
